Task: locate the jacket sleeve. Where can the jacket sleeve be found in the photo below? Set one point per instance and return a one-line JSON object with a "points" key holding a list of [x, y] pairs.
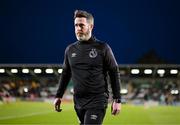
{"points": [[113, 71], [65, 76]]}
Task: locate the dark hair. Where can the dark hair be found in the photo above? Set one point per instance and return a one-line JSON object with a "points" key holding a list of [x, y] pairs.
{"points": [[82, 13]]}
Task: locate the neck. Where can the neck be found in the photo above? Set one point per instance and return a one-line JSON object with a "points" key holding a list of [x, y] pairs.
{"points": [[90, 40]]}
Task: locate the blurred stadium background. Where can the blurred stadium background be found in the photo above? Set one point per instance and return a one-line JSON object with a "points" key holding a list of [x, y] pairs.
{"points": [[144, 33], [150, 95]]}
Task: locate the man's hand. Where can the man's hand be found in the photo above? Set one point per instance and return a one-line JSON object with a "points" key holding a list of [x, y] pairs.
{"points": [[57, 104], [115, 108]]}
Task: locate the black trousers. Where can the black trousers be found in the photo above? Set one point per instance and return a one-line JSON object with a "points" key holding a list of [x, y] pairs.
{"points": [[90, 116]]}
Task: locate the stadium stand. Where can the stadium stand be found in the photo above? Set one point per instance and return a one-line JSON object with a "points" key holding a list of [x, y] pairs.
{"points": [[156, 84]]}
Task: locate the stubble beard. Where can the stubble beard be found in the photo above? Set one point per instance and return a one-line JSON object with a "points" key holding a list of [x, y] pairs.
{"points": [[84, 36]]}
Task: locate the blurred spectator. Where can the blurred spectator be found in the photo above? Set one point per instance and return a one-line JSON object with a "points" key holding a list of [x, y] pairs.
{"points": [[45, 87]]}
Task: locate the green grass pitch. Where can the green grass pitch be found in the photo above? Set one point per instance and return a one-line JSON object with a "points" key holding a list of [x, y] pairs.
{"points": [[41, 113]]}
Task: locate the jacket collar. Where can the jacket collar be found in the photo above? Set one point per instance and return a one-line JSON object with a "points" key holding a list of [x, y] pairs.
{"points": [[91, 40]]}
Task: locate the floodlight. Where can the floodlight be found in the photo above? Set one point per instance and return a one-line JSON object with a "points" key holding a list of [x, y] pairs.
{"points": [[173, 71], [37, 71], [25, 70], [14, 71], [49, 71], [2, 70], [148, 71], [135, 71], [60, 71]]}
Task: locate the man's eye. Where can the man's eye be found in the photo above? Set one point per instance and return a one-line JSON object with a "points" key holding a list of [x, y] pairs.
{"points": [[80, 25]]}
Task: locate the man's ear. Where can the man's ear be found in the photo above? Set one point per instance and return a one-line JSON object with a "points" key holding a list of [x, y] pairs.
{"points": [[91, 26]]}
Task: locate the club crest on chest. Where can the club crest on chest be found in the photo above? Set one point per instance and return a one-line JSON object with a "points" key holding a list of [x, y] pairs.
{"points": [[93, 53]]}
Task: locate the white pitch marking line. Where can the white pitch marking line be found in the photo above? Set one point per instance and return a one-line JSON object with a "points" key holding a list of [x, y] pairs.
{"points": [[26, 115]]}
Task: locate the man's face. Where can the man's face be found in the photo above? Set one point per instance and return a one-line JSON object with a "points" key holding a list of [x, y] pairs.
{"points": [[83, 29]]}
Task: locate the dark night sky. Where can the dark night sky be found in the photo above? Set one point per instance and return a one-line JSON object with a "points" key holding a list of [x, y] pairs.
{"points": [[38, 31]]}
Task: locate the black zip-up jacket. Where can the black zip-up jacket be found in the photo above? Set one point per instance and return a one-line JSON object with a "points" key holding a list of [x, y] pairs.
{"points": [[87, 63]]}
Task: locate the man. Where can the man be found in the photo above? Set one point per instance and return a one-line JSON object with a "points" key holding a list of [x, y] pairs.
{"points": [[87, 63]]}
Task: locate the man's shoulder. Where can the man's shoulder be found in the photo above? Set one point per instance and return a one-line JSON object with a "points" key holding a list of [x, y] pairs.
{"points": [[71, 45], [101, 44]]}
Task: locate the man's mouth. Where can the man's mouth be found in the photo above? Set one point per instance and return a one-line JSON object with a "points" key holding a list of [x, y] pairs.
{"points": [[79, 33]]}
